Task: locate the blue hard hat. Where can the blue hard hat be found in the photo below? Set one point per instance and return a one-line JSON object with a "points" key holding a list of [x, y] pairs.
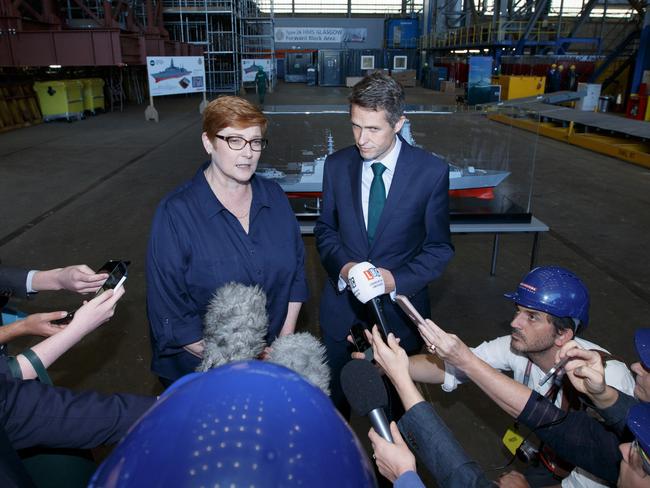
{"points": [[638, 421], [248, 423], [554, 290], [642, 344]]}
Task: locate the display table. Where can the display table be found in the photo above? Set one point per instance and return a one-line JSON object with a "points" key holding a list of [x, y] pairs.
{"points": [[535, 226]]}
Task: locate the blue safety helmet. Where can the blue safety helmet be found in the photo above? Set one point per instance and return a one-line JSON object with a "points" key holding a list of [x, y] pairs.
{"points": [[556, 291], [638, 421], [642, 343], [248, 423]]}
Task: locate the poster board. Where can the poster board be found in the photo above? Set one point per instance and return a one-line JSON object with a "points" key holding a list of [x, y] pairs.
{"points": [[170, 75], [249, 68]]}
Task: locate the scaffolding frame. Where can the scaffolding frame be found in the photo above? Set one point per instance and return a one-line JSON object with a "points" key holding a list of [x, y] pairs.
{"points": [[213, 25]]}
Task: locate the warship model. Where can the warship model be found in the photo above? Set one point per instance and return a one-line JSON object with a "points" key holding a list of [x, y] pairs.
{"points": [[466, 181], [170, 72]]}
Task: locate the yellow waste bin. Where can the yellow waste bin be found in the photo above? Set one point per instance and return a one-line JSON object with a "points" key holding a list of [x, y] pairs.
{"points": [[93, 94], [521, 86], [60, 99]]}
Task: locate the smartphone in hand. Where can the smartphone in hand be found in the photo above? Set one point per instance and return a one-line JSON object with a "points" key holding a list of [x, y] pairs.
{"points": [[117, 273], [409, 309], [361, 344]]}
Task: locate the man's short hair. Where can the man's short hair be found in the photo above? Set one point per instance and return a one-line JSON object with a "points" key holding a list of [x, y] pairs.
{"points": [[562, 323], [378, 91]]}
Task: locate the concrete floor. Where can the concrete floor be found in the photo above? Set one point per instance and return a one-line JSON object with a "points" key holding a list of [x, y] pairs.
{"points": [[86, 191]]}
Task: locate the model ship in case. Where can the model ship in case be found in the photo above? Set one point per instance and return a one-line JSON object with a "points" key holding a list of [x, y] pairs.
{"points": [[464, 181]]}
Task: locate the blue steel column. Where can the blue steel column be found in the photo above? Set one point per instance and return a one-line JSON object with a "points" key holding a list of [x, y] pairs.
{"points": [[643, 55]]}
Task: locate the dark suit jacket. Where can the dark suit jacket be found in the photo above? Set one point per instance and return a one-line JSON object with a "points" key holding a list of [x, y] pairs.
{"points": [[12, 282], [436, 447], [412, 238]]}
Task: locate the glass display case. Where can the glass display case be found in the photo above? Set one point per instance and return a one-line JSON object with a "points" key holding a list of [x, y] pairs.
{"points": [[491, 162]]}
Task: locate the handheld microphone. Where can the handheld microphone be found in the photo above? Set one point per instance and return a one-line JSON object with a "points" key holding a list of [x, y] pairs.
{"points": [[367, 285], [366, 393]]}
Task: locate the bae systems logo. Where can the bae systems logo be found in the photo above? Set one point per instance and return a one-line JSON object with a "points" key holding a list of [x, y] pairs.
{"points": [[528, 287], [372, 273]]}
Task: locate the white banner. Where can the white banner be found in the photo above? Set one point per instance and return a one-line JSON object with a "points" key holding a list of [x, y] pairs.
{"points": [[320, 34], [250, 67], [169, 75]]}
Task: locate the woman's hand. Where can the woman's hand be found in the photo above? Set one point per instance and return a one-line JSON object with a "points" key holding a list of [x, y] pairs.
{"points": [[390, 357], [96, 311], [447, 346], [393, 460]]}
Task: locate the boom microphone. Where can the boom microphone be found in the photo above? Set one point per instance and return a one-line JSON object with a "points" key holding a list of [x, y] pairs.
{"points": [[368, 285], [366, 393], [305, 355], [234, 325]]}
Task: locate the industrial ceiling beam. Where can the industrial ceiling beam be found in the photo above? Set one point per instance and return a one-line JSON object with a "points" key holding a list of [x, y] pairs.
{"points": [[540, 9]]}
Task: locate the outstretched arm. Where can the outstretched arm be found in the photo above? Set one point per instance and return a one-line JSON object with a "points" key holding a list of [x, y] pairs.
{"points": [[90, 316], [79, 278], [510, 395], [37, 324]]}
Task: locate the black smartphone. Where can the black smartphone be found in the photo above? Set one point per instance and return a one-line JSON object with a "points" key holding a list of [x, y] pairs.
{"points": [[117, 273], [361, 344]]}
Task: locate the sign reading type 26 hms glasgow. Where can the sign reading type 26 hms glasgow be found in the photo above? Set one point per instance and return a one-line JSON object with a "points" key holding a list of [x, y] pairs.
{"points": [[169, 75]]}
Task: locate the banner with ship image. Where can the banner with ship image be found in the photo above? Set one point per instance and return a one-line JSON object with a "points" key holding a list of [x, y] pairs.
{"points": [[169, 75], [250, 67]]}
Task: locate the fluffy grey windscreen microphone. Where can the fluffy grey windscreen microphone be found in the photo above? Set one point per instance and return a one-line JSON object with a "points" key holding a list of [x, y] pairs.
{"points": [[304, 354], [234, 325]]}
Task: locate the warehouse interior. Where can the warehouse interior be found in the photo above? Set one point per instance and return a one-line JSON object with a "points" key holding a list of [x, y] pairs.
{"points": [[83, 163]]}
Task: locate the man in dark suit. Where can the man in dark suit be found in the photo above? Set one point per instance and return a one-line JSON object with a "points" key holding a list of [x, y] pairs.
{"points": [[387, 203]]}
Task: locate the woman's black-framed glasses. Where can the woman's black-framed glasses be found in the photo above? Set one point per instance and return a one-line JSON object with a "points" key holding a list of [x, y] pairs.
{"points": [[237, 143]]}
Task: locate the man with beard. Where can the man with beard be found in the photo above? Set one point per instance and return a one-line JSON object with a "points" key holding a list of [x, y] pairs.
{"points": [[552, 307]]}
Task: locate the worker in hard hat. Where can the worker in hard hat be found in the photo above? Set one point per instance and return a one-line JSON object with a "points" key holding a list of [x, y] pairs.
{"points": [[553, 79]]}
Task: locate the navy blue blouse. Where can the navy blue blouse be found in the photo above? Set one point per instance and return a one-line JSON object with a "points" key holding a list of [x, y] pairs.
{"points": [[197, 245]]}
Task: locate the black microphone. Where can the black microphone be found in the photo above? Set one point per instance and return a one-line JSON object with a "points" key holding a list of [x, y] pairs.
{"points": [[366, 393], [368, 286]]}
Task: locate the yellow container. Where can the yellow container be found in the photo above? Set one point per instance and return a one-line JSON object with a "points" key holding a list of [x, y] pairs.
{"points": [[647, 111], [521, 86], [93, 93], [60, 99]]}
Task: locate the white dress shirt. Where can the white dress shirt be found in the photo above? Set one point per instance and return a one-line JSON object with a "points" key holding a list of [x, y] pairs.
{"points": [[390, 161], [367, 175]]}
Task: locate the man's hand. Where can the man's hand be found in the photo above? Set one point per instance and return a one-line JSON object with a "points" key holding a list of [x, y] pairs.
{"points": [[389, 280], [38, 324], [79, 278], [513, 479], [393, 460], [345, 270], [447, 346], [586, 372]]}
